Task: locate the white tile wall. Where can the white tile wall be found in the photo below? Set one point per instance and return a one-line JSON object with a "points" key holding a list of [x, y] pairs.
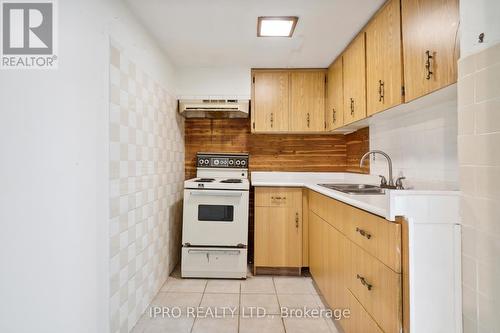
{"points": [[422, 144], [479, 158], [146, 181]]}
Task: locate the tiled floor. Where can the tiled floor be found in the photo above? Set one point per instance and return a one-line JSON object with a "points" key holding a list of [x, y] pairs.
{"points": [[242, 297]]}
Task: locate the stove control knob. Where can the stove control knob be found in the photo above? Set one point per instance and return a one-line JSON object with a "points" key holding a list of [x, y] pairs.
{"points": [[200, 162], [243, 162], [216, 162], [207, 161], [238, 162], [231, 162]]}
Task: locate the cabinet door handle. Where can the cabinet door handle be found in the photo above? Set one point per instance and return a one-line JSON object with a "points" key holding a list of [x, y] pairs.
{"points": [[308, 119], [363, 233], [297, 220], [363, 282], [428, 64], [352, 107], [278, 198], [334, 115], [272, 120], [381, 90]]}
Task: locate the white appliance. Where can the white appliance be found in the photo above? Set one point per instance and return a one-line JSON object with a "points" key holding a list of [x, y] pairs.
{"points": [[214, 108], [215, 218]]}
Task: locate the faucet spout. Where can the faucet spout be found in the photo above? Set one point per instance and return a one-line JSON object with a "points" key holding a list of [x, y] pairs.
{"points": [[389, 163]]}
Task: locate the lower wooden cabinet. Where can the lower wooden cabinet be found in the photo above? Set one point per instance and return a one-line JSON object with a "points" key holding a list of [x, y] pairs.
{"points": [[351, 275], [353, 256], [278, 227]]}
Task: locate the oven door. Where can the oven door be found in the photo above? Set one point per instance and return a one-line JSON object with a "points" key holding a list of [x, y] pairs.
{"points": [[215, 218]]}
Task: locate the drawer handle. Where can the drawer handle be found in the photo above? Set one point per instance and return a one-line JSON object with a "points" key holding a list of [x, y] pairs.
{"points": [[363, 233], [428, 64], [363, 282], [278, 198]]}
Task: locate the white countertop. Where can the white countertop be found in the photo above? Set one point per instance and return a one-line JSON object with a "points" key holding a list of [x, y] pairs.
{"points": [[393, 203]]}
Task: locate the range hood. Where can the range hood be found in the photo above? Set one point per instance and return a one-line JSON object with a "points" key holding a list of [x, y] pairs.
{"points": [[214, 108]]}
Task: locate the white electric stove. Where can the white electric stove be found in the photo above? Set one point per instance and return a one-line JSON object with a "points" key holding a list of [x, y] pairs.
{"points": [[215, 217]]}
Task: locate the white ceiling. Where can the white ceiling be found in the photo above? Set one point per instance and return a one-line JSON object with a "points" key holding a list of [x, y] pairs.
{"points": [[221, 33]]}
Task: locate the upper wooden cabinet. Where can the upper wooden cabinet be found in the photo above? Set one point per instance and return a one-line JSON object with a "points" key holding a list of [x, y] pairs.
{"points": [[288, 101], [384, 67], [270, 101], [355, 80], [334, 113], [307, 112], [407, 50], [430, 45]]}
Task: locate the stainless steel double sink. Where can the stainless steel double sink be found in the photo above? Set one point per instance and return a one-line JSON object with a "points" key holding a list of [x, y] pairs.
{"points": [[355, 188]]}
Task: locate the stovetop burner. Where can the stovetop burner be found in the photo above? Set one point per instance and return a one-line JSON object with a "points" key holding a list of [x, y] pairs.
{"points": [[231, 181], [204, 180]]}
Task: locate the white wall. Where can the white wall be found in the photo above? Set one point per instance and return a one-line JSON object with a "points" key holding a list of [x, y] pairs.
{"points": [[146, 138], [54, 197], [478, 16], [479, 157], [422, 142], [213, 82]]}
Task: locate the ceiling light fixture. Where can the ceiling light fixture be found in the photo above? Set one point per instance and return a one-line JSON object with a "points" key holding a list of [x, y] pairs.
{"points": [[276, 26]]}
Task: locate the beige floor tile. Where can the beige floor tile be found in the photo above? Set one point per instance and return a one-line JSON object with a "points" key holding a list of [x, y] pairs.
{"points": [[299, 301], [163, 325], [268, 324], [215, 325], [229, 303], [258, 285], [294, 285], [306, 325], [223, 286], [175, 299], [268, 302], [185, 285]]}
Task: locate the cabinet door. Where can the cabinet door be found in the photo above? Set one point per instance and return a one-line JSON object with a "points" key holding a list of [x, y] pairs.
{"points": [[335, 96], [355, 81], [430, 45], [378, 289], [338, 268], [384, 68], [278, 230], [270, 102], [317, 243], [307, 112]]}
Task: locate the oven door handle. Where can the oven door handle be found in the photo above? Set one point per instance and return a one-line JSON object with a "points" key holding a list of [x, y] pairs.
{"points": [[216, 193], [229, 252]]}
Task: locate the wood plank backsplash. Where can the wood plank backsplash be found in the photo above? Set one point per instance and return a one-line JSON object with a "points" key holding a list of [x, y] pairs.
{"points": [[274, 152], [357, 143]]}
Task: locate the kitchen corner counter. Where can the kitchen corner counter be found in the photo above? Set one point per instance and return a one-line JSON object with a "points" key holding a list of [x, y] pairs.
{"points": [[431, 206]]}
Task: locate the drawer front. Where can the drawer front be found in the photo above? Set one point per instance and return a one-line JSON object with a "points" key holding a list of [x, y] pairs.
{"points": [[277, 197], [359, 321], [377, 236], [377, 288], [328, 209]]}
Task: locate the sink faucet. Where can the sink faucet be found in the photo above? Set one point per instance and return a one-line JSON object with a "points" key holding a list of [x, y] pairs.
{"points": [[383, 181]]}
